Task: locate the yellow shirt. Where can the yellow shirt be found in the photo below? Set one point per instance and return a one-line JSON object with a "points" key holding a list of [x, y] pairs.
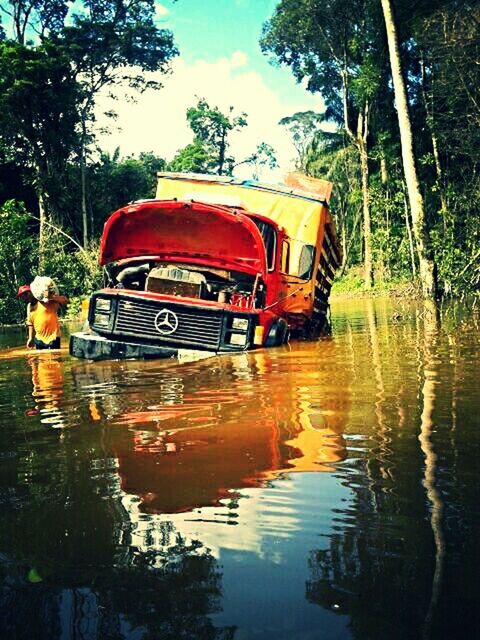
{"points": [[30, 307], [45, 321]]}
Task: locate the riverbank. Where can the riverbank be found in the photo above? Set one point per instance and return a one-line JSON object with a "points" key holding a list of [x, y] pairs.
{"points": [[352, 285]]}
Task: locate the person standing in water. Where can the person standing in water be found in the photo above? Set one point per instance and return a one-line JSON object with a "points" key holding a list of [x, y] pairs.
{"points": [[43, 323], [25, 294]]}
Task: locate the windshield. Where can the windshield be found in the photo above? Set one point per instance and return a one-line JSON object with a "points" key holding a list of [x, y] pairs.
{"points": [[269, 237]]}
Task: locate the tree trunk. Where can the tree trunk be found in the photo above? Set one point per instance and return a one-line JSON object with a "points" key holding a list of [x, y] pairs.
{"points": [[221, 155], [348, 245], [367, 223], [361, 139], [383, 170], [417, 207], [410, 239], [84, 184], [343, 240], [436, 153], [42, 214], [40, 172]]}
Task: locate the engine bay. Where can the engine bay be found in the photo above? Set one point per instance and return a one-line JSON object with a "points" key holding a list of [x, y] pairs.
{"points": [[187, 281]]}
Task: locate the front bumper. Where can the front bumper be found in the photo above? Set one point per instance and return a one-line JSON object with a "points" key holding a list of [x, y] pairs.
{"points": [[93, 347]]}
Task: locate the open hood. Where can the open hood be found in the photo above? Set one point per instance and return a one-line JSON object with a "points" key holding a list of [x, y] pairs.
{"points": [[184, 232]]}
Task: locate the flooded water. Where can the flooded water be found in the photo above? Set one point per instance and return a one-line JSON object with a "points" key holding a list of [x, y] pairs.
{"points": [[325, 490]]}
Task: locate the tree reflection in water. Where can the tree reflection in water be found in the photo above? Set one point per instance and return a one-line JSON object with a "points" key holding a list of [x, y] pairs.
{"points": [[385, 567], [162, 593]]}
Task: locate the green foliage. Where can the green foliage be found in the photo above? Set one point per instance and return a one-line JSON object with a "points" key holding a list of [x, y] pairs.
{"points": [[38, 112], [352, 281], [17, 259], [211, 129], [74, 307], [329, 44], [263, 156], [49, 86], [130, 180], [339, 48], [76, 272], [196, 157], [152, 165], [303, 127], [112, 182]]}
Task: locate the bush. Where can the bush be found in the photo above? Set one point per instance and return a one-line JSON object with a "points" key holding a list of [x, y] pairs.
{"points": [[75, 271], [18, 255]]}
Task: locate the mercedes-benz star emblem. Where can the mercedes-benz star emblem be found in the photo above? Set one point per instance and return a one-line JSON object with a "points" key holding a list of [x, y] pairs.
{"points": [[166, 322]]}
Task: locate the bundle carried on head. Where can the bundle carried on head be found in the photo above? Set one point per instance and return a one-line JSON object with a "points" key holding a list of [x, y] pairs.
{"points": [[43, 288]]}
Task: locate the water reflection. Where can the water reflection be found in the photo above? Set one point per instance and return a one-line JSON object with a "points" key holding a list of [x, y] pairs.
{"points": [[189, 443], [179, 588], [47, 392], [330, 486], [393, 529], [430, 381]]}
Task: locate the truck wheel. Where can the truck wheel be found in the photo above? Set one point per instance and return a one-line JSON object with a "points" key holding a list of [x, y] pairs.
{"points": [[278, 333]]}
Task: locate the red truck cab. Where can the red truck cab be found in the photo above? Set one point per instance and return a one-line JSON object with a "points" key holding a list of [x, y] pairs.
{"points": [[187, 275]]}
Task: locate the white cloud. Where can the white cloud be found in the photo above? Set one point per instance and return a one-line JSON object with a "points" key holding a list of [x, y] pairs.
{"points": [[238, 59], [156, 121], [160, 10]]}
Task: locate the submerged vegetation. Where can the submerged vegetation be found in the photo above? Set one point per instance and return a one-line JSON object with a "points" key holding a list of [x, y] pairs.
{"points": [[406, 171]]}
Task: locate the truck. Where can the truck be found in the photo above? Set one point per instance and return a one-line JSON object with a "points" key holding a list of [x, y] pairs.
{"points": [[212, 264]]}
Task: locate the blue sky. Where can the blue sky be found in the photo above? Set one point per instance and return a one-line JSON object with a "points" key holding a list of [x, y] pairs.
{"points": [[216, 28], [220, 60]]}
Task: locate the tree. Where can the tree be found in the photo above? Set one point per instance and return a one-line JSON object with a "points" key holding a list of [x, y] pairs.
{"points": [[196, 157], [335, 45], [302, 126], [427, 265], [211, 128], [263, 156], [115, 181], [450, 92], [153, 164], [38, 116], [104, 43], [34, 19], [17, 257]]}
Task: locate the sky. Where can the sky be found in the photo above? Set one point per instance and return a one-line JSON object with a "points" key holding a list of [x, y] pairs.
{"points": [[220, 60]]}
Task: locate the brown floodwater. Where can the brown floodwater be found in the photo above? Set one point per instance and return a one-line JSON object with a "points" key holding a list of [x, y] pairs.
{"points": [[323, 490]]}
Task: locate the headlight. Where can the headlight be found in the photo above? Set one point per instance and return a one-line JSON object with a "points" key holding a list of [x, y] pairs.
{"points": [[103, 304], [101, 320], [239, 339], [240, 323]]}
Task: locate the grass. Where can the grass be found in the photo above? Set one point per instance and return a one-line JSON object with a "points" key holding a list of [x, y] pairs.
{"points": [[352, 285]]}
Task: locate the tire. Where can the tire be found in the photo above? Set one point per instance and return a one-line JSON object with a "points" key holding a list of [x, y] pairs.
{"points": [[278, 333]]}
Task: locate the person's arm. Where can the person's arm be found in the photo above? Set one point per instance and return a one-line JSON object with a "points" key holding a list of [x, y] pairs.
{"points": [[63, 300], [31, 336]]}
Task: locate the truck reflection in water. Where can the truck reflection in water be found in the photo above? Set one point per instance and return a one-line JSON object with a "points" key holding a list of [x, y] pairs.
{"points": [[191, 442]]}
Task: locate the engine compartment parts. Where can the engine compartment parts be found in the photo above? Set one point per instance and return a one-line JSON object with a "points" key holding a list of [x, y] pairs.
{"points": [[175, 281]]}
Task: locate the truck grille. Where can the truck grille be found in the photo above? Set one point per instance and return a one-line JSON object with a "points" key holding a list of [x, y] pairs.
{"points": [[194, 327]]}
